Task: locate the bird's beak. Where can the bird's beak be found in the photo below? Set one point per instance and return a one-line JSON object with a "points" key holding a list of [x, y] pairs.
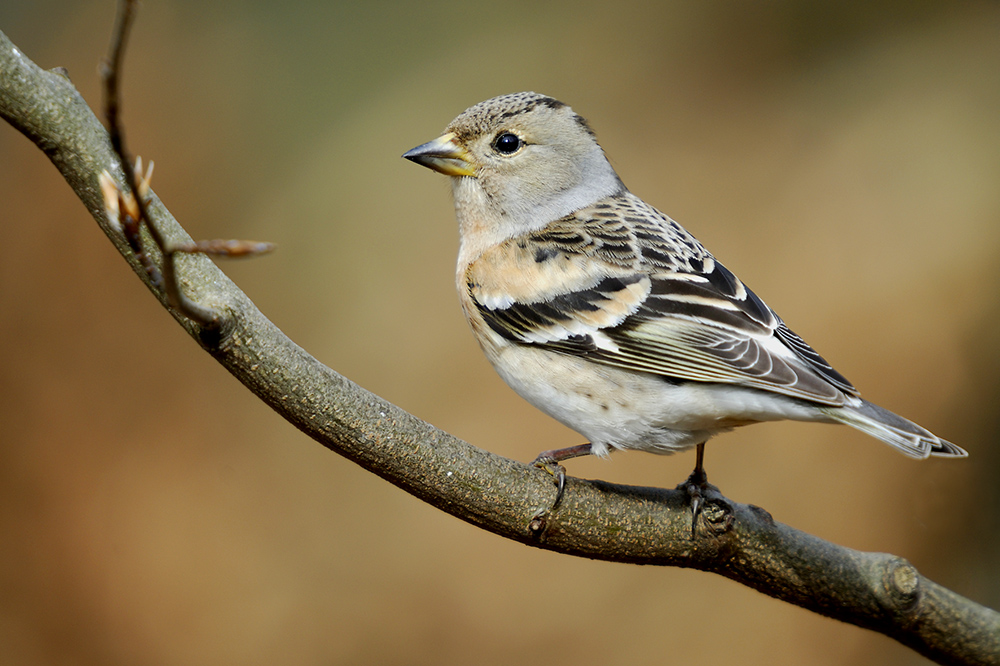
{"points": [[443, 155]]}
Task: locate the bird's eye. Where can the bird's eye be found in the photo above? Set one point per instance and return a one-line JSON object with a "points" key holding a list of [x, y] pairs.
{"points": [[507, 143]]}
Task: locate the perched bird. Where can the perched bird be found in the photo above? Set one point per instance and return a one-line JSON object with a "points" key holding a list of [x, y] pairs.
{"points": [[608, 315]]}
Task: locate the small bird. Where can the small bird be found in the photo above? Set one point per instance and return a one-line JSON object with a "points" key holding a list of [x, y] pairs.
{"points": [[608, 315]]}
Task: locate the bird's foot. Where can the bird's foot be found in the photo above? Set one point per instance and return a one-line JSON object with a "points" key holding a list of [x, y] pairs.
{"points": [[553, 468], [548, 461], [695, 487]]}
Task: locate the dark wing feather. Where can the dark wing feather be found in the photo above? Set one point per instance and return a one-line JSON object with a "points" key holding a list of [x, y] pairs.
{"points": [[651, 299]]}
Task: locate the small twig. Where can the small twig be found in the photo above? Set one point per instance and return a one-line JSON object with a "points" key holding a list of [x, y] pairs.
{"points": [[110, 69], [231, 249], [128, 211], [109, 73], [129, 223]]}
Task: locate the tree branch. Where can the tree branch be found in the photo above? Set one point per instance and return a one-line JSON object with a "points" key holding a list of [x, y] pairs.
{"points": [[596, 520]]}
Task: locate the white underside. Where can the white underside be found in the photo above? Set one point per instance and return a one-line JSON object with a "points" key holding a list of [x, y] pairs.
{"points": [[621, 409]]}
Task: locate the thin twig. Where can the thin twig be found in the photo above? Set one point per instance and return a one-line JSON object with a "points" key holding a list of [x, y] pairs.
{"points": [[132, 211], [110, 68], [229, 248]]}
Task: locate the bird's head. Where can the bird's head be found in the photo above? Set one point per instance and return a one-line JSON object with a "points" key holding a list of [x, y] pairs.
{"points": [[520, 161]]}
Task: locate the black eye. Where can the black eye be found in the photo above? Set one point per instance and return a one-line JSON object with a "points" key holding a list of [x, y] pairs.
{"points": [[507, 143]]}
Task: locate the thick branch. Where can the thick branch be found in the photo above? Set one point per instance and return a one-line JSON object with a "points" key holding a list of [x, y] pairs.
{"points": [[596, 520]]}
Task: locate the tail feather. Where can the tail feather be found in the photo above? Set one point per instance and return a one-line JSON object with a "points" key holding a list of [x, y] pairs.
{"points": [[906, 436]]}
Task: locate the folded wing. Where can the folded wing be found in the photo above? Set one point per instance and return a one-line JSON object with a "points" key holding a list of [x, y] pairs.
{"points": [[628, 287]]}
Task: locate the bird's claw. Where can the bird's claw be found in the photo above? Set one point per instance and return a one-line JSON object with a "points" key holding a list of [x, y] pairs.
{"points": [[697, 503], [695, 486], [551, 467]]}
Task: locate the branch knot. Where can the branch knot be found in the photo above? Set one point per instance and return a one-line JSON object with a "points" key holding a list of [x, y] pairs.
{"points": [[901, 583]]}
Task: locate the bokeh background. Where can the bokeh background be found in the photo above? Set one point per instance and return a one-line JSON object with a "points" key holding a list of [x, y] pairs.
{"points": [[843, 158]]}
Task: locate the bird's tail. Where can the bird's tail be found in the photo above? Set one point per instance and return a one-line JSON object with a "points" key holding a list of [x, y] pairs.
{"points": [[894, 430]]}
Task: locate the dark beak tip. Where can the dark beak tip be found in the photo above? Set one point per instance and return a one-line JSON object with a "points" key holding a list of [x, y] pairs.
{"points": [[423, 150]]}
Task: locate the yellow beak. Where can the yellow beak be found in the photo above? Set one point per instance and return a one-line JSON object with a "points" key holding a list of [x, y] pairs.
{"points": [[443, 155]]}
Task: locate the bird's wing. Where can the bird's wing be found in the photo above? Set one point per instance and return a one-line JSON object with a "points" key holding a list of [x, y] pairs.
{"points": [[621, 284]]}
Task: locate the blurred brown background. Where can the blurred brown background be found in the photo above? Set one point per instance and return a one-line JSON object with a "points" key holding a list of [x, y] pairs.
{"points": [[843, 158]]}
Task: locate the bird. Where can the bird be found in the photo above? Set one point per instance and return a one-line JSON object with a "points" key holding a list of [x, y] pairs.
{"points": [[608, 315]]}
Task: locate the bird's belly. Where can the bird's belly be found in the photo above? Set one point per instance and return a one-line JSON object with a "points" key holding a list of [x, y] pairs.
{"points": [[612, 408], [623, 409]]}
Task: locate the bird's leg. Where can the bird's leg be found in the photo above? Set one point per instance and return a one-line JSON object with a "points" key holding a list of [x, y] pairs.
{"points": [[549, 461], [695, 484]]}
